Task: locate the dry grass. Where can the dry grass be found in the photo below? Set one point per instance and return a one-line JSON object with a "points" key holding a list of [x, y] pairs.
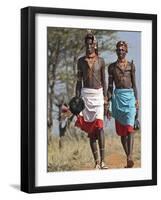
{"points": [[75, 152], [72, 155]]}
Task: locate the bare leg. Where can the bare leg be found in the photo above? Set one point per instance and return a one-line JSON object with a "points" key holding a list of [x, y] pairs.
{"points": [[101, 142], [130, 143], [124, 144], [93, 146]]}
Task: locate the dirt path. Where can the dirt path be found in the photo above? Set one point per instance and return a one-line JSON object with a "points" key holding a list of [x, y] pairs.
{"points": [[113, 161]]}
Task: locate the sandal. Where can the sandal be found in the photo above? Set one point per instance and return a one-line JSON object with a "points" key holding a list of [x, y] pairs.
{"points": [[97, 166], [103, 166]]}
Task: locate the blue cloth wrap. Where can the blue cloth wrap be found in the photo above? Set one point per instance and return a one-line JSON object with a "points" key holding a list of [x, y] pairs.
{"points": [[123, 106]]}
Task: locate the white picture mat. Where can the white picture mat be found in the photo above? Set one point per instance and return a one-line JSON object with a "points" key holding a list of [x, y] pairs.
{"points": [[43, 178]]}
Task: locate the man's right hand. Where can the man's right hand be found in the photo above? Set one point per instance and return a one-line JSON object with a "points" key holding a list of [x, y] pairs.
{"points": [[106, 107]]}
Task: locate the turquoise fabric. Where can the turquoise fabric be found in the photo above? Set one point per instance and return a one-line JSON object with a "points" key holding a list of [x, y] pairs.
{"points": [[123, 106]]}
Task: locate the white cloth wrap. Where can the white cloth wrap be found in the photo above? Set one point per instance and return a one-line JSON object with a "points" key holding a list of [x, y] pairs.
{"points": [[94, 104]]}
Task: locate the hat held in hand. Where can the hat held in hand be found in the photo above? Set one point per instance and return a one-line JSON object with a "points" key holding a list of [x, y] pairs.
{"points": [[76, 105]]}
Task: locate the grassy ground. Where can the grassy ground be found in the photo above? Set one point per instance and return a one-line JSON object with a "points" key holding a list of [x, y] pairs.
{"points": [[75, 152]]}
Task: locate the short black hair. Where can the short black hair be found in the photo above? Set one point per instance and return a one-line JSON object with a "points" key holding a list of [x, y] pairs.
{"points": [[89, 36], [122, 43]]}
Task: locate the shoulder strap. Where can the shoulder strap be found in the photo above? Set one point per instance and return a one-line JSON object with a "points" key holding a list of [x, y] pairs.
{"points": [[132, 65]]}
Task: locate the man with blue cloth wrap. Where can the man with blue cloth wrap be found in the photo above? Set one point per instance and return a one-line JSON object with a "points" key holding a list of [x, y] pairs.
{"points": [[124, 98]]}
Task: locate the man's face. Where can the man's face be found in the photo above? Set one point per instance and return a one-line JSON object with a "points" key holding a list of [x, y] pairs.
{"points": [[121, 52], [90, 46]]}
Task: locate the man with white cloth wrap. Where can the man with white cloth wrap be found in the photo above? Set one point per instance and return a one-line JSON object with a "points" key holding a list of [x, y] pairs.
{"points": [[91, 86]]}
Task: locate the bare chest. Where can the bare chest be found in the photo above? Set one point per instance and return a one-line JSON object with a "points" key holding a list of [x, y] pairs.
{"points": [[122, 70]]}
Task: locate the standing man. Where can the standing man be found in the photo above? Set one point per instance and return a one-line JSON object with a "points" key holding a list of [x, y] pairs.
{"points": [[91, 86], [124, 98]]}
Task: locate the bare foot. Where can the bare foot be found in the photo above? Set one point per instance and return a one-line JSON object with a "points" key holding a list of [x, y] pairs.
{"points": [[130, 163]]}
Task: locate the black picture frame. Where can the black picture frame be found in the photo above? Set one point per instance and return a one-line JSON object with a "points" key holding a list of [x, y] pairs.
{"points": [[28, 92]]}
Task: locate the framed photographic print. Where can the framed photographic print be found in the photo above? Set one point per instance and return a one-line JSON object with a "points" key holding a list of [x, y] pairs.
{"points": [[88, 99]]}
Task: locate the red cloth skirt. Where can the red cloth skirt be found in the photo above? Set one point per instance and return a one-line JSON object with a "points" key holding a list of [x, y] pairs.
{"points": [[89, 127], [123, 130]]}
